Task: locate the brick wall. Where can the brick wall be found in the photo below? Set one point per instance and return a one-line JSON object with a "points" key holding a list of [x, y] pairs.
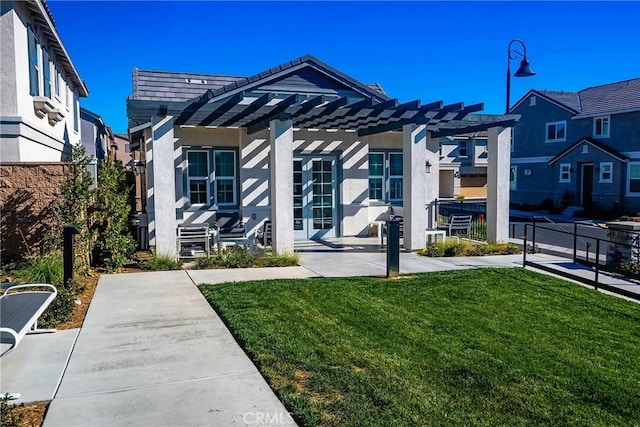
{"points": [[29, 193]]}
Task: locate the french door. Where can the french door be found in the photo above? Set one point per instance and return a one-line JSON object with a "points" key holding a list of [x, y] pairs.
{"points": [[314, 197]]}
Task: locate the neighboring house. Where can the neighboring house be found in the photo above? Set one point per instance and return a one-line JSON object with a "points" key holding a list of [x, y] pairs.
{"points": [[303, 144], [39, 121], [579, 148], [97, 139], [463, 165], [40, 86]]}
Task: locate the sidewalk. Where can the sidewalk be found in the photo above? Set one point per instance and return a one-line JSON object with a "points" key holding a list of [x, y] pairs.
{"points": [[152, 352]]}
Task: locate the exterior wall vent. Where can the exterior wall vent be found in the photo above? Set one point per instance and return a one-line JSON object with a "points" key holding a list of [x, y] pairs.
{"points": [[532, 101]]}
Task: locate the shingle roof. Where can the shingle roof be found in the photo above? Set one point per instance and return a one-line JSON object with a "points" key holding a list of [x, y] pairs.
{"points": [[604, 99], [568, 99], [612, 97], [154, 85]]}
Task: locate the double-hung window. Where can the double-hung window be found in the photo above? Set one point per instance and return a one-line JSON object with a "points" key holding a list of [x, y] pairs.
{"points": [[376, 176], [46, 73], [211, 177], [198, 177], [225, 166], [463, 148], [601, 127], [633, 178], [395, 177], [385, 176], [34, 63], [565, 172], [556, 132], [606, 172]]}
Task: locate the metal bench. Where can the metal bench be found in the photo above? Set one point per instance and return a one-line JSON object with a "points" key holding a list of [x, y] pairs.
{"points": [[194, 240], [20, 309], [458, 223]]}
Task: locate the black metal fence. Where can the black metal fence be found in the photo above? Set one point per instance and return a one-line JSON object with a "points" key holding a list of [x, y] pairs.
{"points": [[601, 254], [477, 209]]}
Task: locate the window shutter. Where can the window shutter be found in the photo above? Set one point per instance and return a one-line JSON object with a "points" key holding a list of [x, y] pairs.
{"points": [[46, 73], [33, 63], [75, 112]]}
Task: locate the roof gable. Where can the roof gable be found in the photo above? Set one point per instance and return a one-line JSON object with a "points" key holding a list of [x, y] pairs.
{"points": [[567, 100], [592, 142]]}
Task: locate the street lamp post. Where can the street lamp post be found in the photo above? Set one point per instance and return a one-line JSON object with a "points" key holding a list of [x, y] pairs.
{"points": [[525, 69]]}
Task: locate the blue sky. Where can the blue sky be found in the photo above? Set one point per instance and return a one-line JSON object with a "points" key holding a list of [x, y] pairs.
{"points": [[450, 51]]}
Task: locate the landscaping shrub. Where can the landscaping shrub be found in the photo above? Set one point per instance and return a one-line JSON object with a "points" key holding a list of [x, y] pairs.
{"points": [[275, 260], [161, 262], [239, 257], [61, 308], [630, 269], [9, 416], [453, 248], [114, 244], [44, 269]]}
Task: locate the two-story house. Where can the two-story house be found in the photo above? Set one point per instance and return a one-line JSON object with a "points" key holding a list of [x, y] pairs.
{"points": [[578, 148], [39, 119], [463, 165]]}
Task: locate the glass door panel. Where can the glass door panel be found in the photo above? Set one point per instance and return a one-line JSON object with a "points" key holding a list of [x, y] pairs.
{"points": [[314, 197]]}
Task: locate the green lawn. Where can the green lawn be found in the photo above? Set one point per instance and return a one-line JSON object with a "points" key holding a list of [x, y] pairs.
{"points": [[474, 347]]}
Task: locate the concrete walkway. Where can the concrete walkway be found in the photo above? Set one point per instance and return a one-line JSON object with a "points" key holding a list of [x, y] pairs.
{"points": [[152, 352]]}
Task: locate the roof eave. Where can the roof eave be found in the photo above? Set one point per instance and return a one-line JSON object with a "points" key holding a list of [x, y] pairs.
{"points": [[83, 91]]}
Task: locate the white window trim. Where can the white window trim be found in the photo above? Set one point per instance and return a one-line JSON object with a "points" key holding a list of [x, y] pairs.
{"points": [[595, 120], [565, 167], [629, 193], [384, 163], [233, 179], [466, 148], [393, 153], [198, 178], [546, 131], [513, 185], [602, 179]]}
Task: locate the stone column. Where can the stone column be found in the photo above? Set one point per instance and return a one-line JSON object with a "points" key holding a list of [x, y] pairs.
{"points": [[625, 243], [498, 164], [415, 185], [281, 185], [161, 196]]}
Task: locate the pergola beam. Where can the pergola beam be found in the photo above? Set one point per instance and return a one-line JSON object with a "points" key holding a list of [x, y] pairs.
{"points": [[439, 131], [262, 122], [321, 111], [339, 113], [421, 116], [221, 109], [236, 120]]}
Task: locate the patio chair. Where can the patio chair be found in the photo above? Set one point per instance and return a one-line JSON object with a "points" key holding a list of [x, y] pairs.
{"points": [[264, 234], [458, 223], [231, 229], [193, 240], [20, 308]]}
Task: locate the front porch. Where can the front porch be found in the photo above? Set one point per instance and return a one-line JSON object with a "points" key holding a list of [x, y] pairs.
{"points": [[317, 166]]}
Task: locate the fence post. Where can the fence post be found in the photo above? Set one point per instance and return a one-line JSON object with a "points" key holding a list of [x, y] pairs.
{"points": [[533, 238], [597, 261], [588, 245], [524, 252], [575, 242]]}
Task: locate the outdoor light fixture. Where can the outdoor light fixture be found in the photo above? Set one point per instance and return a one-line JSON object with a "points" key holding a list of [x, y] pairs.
{"points": [[525, 69], [456, 174], [428, 166], [138, 167]]}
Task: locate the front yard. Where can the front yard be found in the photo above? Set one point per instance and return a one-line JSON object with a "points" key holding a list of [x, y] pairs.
{"points": [[479, 347]]}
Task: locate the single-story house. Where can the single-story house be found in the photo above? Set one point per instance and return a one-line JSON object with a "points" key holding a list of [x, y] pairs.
{"points": [[302, 144]]}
